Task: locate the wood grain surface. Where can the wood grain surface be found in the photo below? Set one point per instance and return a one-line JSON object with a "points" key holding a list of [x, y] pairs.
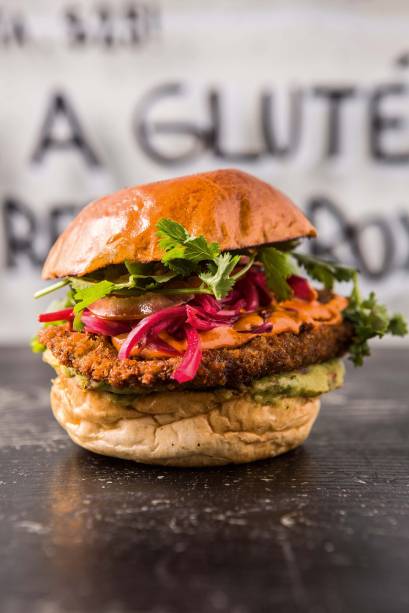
{"points": [[323, 529]]}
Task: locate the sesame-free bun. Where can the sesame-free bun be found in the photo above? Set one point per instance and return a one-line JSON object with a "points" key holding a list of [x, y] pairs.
{"points": [[186, 428], [228, 206]]}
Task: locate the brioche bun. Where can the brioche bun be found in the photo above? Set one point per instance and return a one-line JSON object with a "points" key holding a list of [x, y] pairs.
{"points": [[187, 428], [230, 207]]}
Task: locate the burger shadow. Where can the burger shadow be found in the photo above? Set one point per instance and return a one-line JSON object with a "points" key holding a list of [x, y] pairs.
{"points": [[111, 520], [103, 480], [88, 460]]}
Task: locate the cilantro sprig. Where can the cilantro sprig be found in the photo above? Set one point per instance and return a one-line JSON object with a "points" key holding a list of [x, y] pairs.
{"points": [[188, 255], [179, 245], [325, 271], [370, 319], [218, 276]]}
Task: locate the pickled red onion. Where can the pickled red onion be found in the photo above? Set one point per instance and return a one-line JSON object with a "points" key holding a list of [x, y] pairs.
{"points": [[190, 363]]}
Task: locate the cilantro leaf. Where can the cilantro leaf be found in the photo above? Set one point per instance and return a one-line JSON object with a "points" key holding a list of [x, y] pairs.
{"points": [[198, 249], [324, 271], [89, 295], [170, 232], [177, 252], [277, 267], [186, 255], [172, 239], [79, 283], [179, 245], [218, 278]]}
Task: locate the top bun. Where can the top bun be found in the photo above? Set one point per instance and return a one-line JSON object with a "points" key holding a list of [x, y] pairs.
{"points": [[230, 207]]}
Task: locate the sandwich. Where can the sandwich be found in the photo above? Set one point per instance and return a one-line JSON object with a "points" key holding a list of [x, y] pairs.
{"points": [[193, 329]]}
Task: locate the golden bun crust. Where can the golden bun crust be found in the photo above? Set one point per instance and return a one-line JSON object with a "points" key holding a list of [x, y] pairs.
{"points": [[228, 206], [182, 428]]}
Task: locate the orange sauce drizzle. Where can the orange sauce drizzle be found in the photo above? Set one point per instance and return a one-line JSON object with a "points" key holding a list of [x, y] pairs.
{"points": [[287, 316]]}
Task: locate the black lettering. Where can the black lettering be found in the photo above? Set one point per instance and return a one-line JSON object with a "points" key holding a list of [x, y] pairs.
{"points": [[345, 234], [76, 28], [59, 109], [340, 231], [12, 30], [59, 218], [216, 134], [106, 34], [146, 130], [402, 60], [404, 219], [380, 123], [277, 149], [152, 19], [134, 17], [335, 96], [20, 229], [384, 246], [143, 21]]}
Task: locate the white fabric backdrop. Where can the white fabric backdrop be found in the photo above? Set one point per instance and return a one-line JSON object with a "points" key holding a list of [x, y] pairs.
{"points": [[106, 77]]}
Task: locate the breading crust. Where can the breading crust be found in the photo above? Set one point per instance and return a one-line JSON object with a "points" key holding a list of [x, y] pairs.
{"points": [[96, 358]]}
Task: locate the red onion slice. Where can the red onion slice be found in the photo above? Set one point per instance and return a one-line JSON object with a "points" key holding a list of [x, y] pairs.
{"points": [[159, 344], [147, 324], [97, 325], [191, 360]]}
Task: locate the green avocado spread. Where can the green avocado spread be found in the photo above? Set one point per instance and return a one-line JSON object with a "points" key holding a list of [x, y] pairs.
{"points": [[307, 382]]}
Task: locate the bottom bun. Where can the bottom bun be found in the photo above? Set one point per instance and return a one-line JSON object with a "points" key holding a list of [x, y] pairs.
{"points": [[184, 428]]}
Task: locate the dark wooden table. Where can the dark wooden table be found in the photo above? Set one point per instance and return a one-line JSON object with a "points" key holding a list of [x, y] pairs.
{"points": [[323, 529]]}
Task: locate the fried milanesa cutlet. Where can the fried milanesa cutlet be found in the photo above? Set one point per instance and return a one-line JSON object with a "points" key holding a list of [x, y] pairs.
{"points": [[95, 357]]}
